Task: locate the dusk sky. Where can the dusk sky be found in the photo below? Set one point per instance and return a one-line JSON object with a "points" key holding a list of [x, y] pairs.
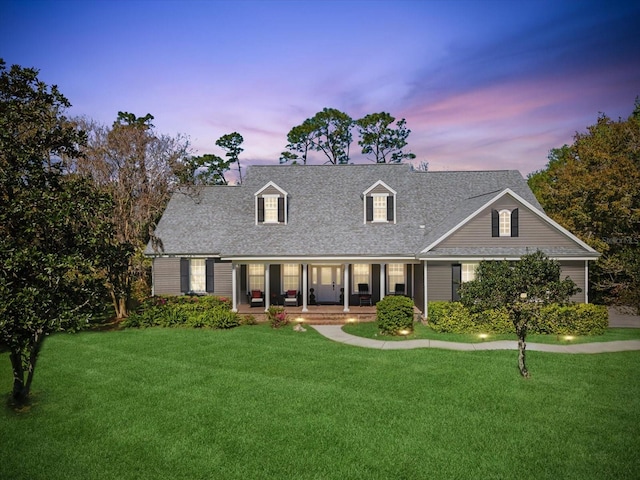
{"points": [[482, 84]]}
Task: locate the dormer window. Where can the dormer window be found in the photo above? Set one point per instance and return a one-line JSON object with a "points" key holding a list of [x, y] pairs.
{"points": [[379, 205], [504, 223], [271, 205]]}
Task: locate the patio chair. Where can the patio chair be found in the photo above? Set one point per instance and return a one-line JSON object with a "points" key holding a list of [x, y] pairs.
{"points": [[257, 298], [363, 294], [399, 290], [291, 298]]}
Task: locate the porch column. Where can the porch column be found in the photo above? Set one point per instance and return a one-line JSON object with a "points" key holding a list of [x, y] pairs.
{"points": [[267, 289], [383, 277], [345, 285], [305, 286], [234, 287], [425, 311], [586, 281]]}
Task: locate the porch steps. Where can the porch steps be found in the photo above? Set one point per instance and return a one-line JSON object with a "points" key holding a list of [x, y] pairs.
{"points": [[321, 318]]}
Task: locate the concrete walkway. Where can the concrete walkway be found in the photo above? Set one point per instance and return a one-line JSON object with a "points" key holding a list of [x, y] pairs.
{"points": [[335, 333]]}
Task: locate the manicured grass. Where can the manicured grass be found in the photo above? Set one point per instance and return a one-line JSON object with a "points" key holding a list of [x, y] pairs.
{"points": [[370, 330], [254, 403]]}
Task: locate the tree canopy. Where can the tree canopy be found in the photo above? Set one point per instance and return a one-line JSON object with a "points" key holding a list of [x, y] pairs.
{"points": [[55, 239], [381, 141], [592, 188]]}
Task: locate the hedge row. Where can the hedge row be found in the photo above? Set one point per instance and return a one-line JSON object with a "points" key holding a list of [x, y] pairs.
{"points": [[184, 311], [578, 319]]}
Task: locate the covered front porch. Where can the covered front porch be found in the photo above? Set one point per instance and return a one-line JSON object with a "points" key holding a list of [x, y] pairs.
{"points": [[335, 286]]}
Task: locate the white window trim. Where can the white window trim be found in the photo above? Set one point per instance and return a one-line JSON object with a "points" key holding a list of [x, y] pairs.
{"points": [[354, 283], [391, 287], [468, 265], [501, 233], [270, 196], [384, 217]]}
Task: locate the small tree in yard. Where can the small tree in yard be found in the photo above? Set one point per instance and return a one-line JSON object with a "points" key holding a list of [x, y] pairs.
{"points": [[522, 287]]}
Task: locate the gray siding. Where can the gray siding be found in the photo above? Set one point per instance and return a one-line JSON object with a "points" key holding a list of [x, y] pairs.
{"points": [[574, 270], [222, 279], [533, 231], [271, 191], [166, 276], [438, 281], [380, 189]]}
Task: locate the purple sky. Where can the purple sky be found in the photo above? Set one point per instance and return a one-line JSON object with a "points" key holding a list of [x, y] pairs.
{"points": [[482, 84]]}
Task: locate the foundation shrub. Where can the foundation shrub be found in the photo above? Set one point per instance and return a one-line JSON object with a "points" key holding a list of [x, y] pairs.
{"points": [[449, 317], [393, 314], [554, 319], [184, 311], [579, 319]]}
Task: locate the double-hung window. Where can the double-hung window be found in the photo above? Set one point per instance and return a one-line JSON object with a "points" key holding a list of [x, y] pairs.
{"points": [[395, 275], [270, 209], [290, 276], [256, 276], [361, 274]]}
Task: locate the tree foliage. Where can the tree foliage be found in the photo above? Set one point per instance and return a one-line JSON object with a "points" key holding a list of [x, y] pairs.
{"points": [[138, 168], [328, 131], [54, 240], [379, 139], [592, 188], [230, 143], [521, 287]]}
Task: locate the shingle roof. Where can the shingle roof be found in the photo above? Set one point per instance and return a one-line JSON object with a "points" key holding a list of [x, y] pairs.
{"points": [[326, 211]]}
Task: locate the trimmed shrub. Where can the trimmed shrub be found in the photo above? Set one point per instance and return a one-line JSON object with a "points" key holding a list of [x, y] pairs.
{"points": [[248, 320], [394, 314], [184, 311], [495, 320], [578, 319], [277, 317], [449, 317]]}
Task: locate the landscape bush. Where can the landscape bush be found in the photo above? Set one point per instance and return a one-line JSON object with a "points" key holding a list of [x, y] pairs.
{"points": [[394, 314], [184, 311], [577, 319], [277, 317]]}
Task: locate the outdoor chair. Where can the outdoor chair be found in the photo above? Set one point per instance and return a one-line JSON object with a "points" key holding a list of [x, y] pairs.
{"points": [[257, 298], [399, 290], [363, 294], [291, 298]]}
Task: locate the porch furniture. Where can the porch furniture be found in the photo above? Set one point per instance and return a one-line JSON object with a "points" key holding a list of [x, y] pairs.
{"points": [[257, 298], [291, 298], [363, 294], [399, 290]]}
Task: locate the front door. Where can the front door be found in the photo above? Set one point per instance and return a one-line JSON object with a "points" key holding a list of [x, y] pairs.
{"points": [[327, 281]]}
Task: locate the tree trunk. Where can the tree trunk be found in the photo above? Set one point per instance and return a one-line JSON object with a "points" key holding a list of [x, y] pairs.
{"points": [[520, 321], [521, 357], [19, 393]]}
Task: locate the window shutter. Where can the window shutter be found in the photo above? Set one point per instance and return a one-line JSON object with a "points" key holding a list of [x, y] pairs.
{"points": [[514, 223], [260, 209], [369, 209], [184, 275], [495, 223], [390, 208], [456, 276], [281, 209], [209, 275]]}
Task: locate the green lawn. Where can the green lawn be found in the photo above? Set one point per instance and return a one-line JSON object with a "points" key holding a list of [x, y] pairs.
{"points": [[370, 330], [254, 403]]}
